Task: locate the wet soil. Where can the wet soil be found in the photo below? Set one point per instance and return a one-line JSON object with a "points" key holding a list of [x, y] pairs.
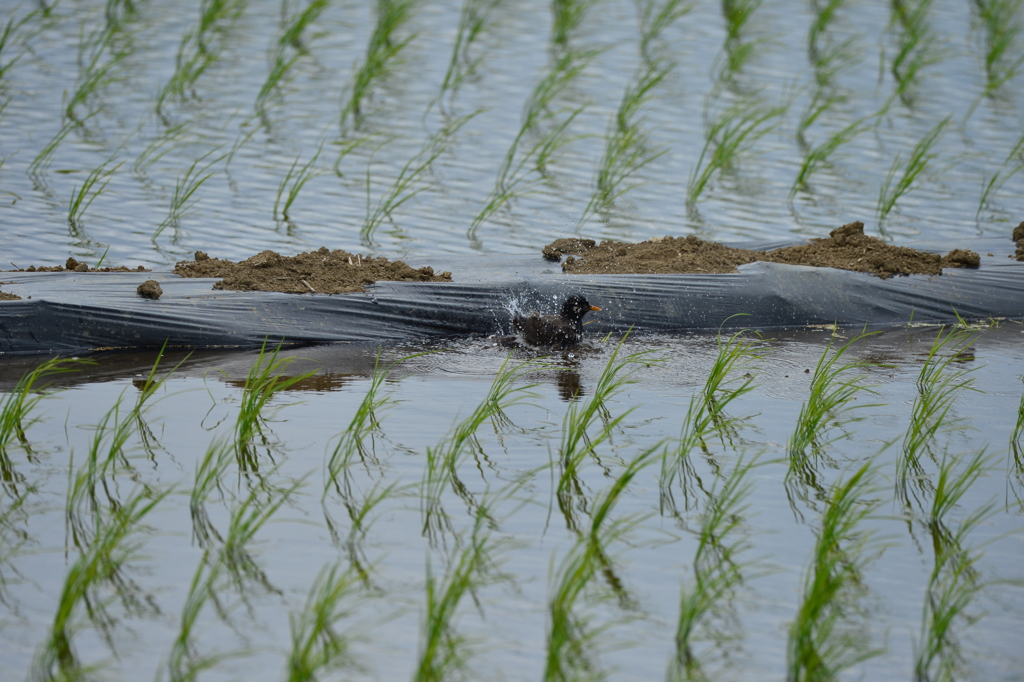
{"points": [[1018, 237], [846, 248], [72, 265], [320, 272]]}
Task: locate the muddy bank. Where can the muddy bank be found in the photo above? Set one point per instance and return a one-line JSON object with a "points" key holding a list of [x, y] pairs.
{"points": [[9, 297], [846, 248], [1018, 238], [321, 271]]}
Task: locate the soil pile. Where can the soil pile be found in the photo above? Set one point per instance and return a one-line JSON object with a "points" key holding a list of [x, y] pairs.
{"points": [[1018, 236], [321, 272], [9, 297], [72, 265], [847, 248]]}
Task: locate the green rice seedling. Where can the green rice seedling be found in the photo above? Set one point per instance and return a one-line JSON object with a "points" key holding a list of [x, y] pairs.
{"points": [[566, 18], [732, 133], [265, 380], [828, 406], [471, 566], [288, 48], [184, 662], [210, 471], [917, 46], [717, 571], [513, 178], [411, 179], [352, 443], [42, 160], [280, 63], [955, 580], [950, 486], [96, 71], [381, 52], [442, 462], [106, 456], [737, 13], [296, 24], [1013, 164], [317, 646], [570, 638], [293, 183], [11, 539], [360, 510], [824, 14], [200, 47], [824, 638], [364, 421], [655, 17], [170, 140], [737, 51], [1004, 26], [243, 137], [147, 388], [82, 197], [892, 190], [16, 407], [816, 156], [578, 437], [117, 12], [1017, 441], [246, 519], [567, 66], [473, 21], [184, 187], [8, 36], [938, 384], [112, 545], [706, 414], [515, 169], [626, 148]]}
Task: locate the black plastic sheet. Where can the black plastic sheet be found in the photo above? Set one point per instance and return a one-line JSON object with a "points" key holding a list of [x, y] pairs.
{"points": [[81, 312]]}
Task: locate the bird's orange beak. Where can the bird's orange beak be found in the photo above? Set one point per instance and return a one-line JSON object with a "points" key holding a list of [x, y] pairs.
{"points": [[594, 307]]}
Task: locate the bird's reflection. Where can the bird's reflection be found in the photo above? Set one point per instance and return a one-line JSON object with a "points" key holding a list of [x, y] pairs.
{"points": [[569, 385]]}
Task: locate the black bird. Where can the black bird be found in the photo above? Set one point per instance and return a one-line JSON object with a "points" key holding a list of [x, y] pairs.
{"points": [[554, 332]]}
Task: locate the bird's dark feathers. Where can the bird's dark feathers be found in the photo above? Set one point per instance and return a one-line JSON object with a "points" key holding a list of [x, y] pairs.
{"points": [[554, 332]]}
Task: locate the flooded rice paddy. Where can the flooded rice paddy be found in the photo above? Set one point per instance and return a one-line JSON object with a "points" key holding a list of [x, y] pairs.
{"points": [[680, 507], [472, 517]]}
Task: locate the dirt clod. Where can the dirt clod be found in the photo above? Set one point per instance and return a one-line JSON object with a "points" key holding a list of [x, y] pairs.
{"points": [[322, 271], [561, 247], [846, 248], [150, 289], [1018, 236]]}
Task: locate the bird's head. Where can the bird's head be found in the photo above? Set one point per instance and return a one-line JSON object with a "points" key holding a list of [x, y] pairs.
{"points": [[575, 307]]}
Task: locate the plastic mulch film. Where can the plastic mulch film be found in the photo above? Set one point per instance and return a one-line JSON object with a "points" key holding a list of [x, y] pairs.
{"points": [[81, 312]]}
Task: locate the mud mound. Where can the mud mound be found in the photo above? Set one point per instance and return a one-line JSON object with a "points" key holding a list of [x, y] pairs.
{"points": [[72, 265], [321, 271], [1018, 236], [846, 248], [9, 297]]}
